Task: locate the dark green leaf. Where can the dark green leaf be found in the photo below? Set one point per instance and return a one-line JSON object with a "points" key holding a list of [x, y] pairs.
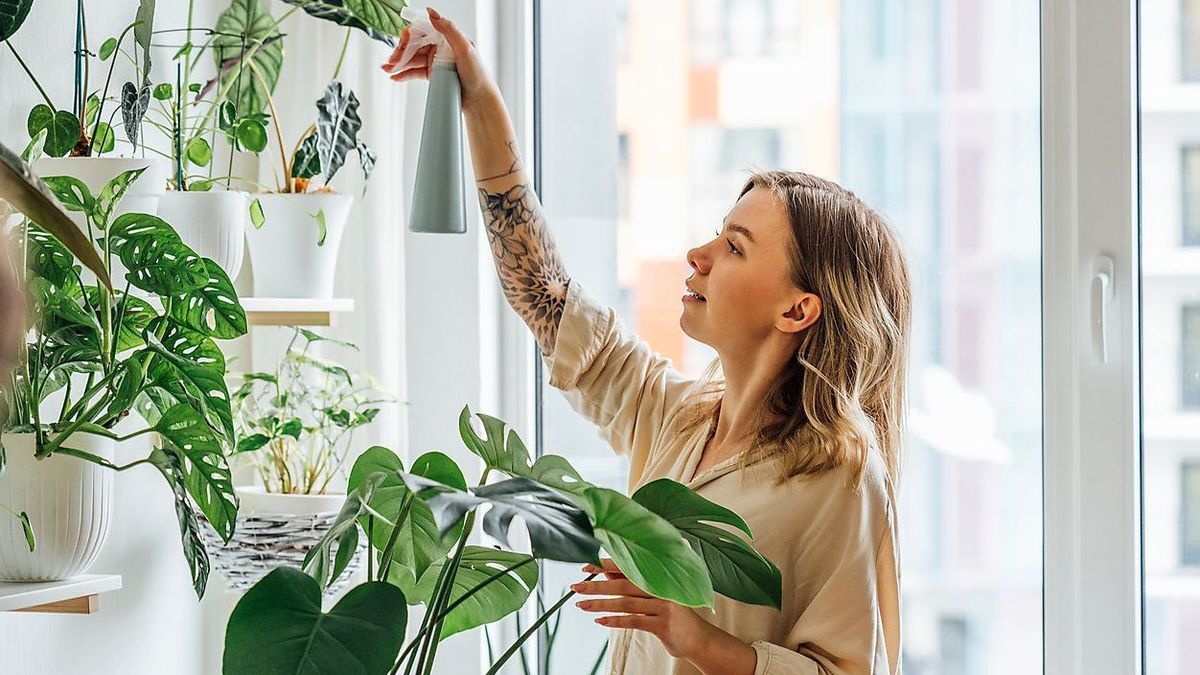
{"points": [[502, 596], [558, 530], [648, 549], [338, 124], [419, 543], [227, 116], [48, 258], [511, 457], [252, 443], [292, 427], [180, 53], [306, 163], [212, 309], [557, 473], [366, 159], [12, 14], [27, 529], [62, 128], [191, 367], [164, 91], [134, 102], [91, 109], [252, 135], [278, 628], [158, 261], [736, 569], [246, 38], [383, 15], [189, 530], [337, 12], [206, 473]]}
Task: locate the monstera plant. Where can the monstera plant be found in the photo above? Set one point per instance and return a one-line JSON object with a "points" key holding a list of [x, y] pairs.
{"points": [[114, 364], [666, 538]]}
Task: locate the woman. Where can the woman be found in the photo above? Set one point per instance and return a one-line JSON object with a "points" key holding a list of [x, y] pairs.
{"points": [[804, 295]]}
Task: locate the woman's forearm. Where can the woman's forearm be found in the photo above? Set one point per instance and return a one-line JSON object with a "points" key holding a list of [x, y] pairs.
{"points": [[527, 260]]}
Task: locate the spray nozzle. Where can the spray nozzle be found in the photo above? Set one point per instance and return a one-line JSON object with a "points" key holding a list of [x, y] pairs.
{"points": [[421, 33]]}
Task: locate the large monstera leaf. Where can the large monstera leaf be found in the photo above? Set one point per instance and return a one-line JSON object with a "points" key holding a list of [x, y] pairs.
{"points": [[12, 14], [515, 577], [736, 569], [278, 628], [558, 529], [157, 259], [247, 47], [418, 544]]}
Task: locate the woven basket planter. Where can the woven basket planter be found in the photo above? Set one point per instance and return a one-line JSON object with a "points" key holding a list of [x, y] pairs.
{"points": [[264, 539]]}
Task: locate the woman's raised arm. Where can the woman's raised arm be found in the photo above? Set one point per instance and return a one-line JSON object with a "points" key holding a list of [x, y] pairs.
{"points": [[527, 260]]}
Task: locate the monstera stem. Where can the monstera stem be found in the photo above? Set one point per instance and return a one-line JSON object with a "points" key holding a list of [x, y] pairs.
{"points": [[532, 629]]}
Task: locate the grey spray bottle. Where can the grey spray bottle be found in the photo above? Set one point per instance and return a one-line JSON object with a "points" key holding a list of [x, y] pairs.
{"points": [[438, 204]]}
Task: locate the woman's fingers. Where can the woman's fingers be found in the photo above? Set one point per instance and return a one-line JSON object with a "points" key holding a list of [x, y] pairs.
{"points": [[625, 604], [421, 58], [621, 586], [454, 37], [608, 568]]}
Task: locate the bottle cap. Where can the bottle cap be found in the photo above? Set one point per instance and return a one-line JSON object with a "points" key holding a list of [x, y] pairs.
{"points": [[422, 33]]}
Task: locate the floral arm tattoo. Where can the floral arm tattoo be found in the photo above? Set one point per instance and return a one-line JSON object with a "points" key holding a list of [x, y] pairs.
{"points": [[527, 259]]}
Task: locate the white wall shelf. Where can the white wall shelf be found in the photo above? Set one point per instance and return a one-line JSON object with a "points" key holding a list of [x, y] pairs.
{"points": [[295, 311], [79, 595]]}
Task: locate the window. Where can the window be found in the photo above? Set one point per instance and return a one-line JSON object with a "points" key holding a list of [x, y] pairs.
{"points": [[1189, 40], [1189, 357], [930, 161], [1189, 189], [1189, 514]]}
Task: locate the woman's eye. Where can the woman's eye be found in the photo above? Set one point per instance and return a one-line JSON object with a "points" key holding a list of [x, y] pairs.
{"points": [[733, 249]]}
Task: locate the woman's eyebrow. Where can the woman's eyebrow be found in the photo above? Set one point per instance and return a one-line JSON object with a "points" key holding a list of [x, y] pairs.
{"points": [[740, 229]]}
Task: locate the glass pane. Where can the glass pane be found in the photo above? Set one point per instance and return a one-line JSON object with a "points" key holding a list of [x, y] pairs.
{"points": [[1170, 244], [929, 110]]}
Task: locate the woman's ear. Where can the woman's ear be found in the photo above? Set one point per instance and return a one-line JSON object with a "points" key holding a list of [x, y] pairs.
{"points": [[804, 312]]}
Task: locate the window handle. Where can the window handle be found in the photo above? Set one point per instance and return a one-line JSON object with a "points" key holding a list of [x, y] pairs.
{"points": [[1102, 295]]}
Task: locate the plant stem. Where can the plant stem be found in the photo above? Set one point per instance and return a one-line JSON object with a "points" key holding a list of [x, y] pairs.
{"points": [[28, 72], [342, 56], [262, 82], [531, 630], [370, 549], [386, 557], [442, 598]]}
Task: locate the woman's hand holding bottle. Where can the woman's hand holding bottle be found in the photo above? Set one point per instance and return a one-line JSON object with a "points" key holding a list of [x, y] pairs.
{"points": [[478, 88]]}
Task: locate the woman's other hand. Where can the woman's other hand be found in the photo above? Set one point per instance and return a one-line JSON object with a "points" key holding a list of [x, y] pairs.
{"points": [[477, 86], [682, 632]]}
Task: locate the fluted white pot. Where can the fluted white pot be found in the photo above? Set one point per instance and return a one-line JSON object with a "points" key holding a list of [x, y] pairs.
{"points": [[69, 503], [287, 260], [212, 223]]}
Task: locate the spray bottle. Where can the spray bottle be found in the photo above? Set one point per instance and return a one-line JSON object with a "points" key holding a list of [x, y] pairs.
{"points": [[438, 204]]}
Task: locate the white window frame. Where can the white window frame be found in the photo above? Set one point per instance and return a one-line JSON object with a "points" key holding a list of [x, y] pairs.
{"points": [[1091, 412]]}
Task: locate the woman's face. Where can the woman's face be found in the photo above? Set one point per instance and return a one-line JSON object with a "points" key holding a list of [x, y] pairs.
{"points": [[743, 280]]}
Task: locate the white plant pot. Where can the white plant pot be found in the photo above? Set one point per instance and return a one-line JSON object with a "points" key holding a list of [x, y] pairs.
{"points": [[69, 503], [213, 224], [284, 254], [275, 530], [95, 172]]}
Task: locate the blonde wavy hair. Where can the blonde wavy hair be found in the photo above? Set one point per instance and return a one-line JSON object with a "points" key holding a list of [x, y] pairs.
{"points": [[844, 393]]}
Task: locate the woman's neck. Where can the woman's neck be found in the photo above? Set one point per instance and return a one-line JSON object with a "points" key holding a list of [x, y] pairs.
{"points": [[749, 375]]}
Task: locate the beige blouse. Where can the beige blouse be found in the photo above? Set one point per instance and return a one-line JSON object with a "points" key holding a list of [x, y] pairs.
{"points": [[836, 549]]}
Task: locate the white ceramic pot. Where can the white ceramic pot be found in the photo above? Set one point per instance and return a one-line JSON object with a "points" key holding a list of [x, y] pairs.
{"points": [[213, 224], [69, 503], [95, 172], [284, 254], [253, 500]]}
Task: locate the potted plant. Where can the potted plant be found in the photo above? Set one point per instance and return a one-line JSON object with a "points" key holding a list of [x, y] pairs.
{"points": [[297, 230], [295, 426], [102, 367], [79, 139], [417, 523]]}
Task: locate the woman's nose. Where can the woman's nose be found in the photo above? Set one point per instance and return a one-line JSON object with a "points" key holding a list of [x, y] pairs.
{"points": [[698, 259]]}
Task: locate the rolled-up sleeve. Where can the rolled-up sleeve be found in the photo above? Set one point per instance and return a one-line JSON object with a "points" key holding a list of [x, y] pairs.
{"points": [[611, 377]]}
